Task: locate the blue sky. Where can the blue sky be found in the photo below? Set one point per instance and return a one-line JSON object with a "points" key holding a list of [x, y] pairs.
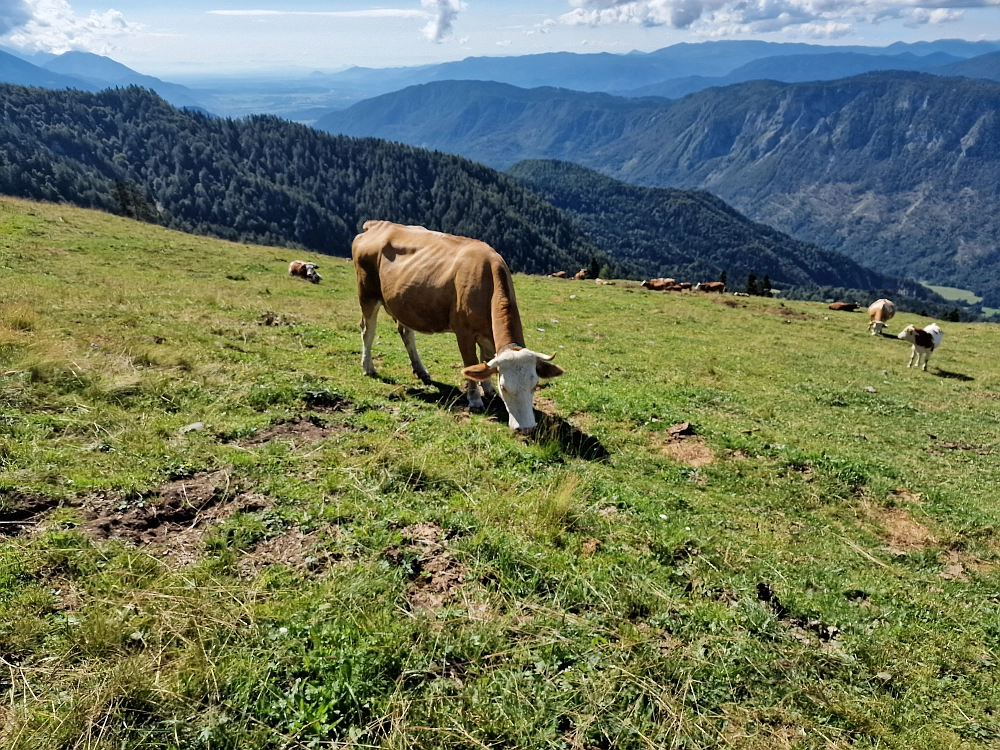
{"points": [[182, 37]]}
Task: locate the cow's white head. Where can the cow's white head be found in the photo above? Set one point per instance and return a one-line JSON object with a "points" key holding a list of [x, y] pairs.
{"points": [[520, 370], [311, 273], [877, 326], [908, 334]]}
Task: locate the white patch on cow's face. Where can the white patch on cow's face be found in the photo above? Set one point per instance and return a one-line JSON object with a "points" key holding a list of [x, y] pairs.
{"points": [[517, 386]]}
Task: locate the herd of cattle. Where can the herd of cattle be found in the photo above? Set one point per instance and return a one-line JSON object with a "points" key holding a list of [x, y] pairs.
{"points": [[431, 282]]}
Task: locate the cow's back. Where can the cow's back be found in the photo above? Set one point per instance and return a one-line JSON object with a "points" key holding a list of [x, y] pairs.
{"points": [[424, 278]]}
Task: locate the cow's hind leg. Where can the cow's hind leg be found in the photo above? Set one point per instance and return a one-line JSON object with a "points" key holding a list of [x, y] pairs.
{"points": [[369, 318], [410, 342], [486, 353], [467, 346]]}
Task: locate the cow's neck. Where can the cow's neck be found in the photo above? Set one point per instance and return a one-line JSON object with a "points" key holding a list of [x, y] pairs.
{"points": [[507, 329]]}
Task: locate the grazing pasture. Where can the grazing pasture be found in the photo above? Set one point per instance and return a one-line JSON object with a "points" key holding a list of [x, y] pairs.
{"points": [[739, 523]]}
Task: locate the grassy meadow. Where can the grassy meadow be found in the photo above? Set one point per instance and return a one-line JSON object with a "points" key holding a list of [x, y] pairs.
{"points": [[215, 532]]}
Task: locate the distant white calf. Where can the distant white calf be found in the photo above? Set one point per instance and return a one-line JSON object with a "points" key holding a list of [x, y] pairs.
{"points": [[880, 311], [924, 340]]}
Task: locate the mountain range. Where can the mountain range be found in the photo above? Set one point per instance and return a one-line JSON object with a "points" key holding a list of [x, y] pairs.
{"points": [[899, 171], [270, 181]]}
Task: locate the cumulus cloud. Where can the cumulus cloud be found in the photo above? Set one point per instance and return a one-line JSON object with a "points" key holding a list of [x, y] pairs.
{"points": [[444, 14], [817, 18], [373, 13], [13, 14], [52, 26]]}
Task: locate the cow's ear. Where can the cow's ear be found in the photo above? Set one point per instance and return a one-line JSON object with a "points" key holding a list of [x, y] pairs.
{"points": [[480, 372], [547, 369]]}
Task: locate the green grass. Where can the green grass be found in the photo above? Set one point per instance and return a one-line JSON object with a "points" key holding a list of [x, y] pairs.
{"points": [[828, 581], [954, 294]]}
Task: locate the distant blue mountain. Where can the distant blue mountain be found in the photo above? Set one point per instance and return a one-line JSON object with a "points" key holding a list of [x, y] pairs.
{"points": [[103, 72], [14, 69], [798, 68]]}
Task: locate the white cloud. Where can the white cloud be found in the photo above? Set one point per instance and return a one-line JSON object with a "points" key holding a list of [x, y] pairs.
{"points": [[373, 13], [445, 13], [817, 18], [52, 26]]}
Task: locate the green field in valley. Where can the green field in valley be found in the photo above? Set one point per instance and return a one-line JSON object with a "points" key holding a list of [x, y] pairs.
{"points": [[216, 533]]}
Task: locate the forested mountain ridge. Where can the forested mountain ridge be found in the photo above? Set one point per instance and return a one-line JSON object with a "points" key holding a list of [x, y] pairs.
{"points": [[687, 234], [263, 179], [899, 171]]}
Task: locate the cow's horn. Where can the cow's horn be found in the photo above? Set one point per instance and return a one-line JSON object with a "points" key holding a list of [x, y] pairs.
{"points": [[545, 357]]}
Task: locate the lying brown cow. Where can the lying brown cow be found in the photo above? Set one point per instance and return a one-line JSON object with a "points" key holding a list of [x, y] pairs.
{"points": [[711, 286], [433, 283], [580, 275], [558, 275], [845, 306], [658, 285], [304, 270]]}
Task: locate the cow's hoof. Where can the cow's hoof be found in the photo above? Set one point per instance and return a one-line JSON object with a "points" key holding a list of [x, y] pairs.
{"points": [[424, 378], [477, 408]]}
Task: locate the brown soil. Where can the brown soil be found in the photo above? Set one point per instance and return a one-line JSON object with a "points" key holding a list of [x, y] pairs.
{"points": [[903, 495], [902, 534], [296, 549], [437, 575], [688, 449], [175, 519], [18, 511], [786, 313], [301, 431]]}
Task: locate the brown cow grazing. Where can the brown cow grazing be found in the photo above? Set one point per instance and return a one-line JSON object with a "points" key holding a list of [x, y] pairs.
{"points": [[558, 275], [683, 286], [924, 340], [711, 286], [580, 275], [880, 311], [304, 270], [434, 283], [845, 306]]}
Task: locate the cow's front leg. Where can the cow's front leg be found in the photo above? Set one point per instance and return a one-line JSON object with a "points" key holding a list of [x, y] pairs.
{"points": [[486, 354], [467, 346], [410, 342], [914, 357], [369, 319]]}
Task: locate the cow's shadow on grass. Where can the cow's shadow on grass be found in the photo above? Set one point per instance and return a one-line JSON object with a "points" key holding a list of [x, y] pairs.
{"points": [[572, 440], [954, 375]]}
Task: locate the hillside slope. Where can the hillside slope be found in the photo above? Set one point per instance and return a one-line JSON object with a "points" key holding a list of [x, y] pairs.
{"points": [[899, 171], [687, 234], [216, 532], [263, 179]]}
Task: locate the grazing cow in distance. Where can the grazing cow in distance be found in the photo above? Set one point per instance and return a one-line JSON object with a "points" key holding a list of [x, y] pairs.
{"points": [[684, 285], [880, 311], [711, 286], [924, 340], [433, 282], [845, 306], [658, 285], [304, 270]]}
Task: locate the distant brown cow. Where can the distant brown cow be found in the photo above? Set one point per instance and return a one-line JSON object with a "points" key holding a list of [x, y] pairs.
{"points": [[304, 270], [558, 275], [683, 285], [602, 282], [881, 311], [845, 306], [711, 286], [658, 285], [581, 274]]}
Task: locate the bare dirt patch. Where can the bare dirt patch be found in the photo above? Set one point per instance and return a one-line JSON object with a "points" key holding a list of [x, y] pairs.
{"points": [[944, 445], [301, 431], [901, 533], [784, 312], [19, 511], [174, 520], [903, 495], [297, 549], [681, 444], [436, 576]]}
